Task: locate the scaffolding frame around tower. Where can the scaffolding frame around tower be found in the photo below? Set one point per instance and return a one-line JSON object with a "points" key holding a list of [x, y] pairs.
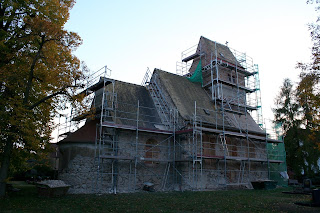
{"points": [[236, 106]]}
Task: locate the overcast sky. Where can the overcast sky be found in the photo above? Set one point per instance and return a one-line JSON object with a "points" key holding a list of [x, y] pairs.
{"points": [[129, 36]]}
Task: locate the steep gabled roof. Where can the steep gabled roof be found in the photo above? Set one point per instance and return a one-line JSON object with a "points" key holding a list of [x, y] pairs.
{"points": [[127, 96], [223, 51], [181, 92], [209, 50], [184, 94]]}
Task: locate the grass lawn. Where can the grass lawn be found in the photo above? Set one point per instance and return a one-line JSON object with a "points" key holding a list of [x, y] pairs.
{"points": [[27, 200]]}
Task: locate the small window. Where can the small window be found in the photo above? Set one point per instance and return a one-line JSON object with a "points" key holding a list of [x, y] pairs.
{"points": [[229, 77], [221, 54], [152, 151], [234, 79]]}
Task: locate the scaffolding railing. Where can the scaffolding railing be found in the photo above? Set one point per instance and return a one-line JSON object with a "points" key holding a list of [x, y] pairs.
{"points": [[244, 60], [111, 151], [188, 52], [70, 120], [203, 153], [182, 68], [248, 85], [237, 103], [248, 152], [64, 126]]}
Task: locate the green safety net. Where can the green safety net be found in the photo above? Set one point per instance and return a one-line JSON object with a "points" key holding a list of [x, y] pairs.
{"points": [[197, 75], [278, 171]]}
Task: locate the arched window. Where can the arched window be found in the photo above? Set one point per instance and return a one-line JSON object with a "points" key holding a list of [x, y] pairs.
{"points": [[151, 151]]}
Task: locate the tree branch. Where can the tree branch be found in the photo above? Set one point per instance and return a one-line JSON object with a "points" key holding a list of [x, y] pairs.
{"points": [[62, 91], [47, 98], [9, 20], [29, 84]]}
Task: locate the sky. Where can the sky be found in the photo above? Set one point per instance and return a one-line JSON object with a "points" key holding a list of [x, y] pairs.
{"points": [[131, 36]]}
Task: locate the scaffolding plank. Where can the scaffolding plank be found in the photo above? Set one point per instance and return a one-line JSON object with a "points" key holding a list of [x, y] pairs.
{"points": [[218, 131], [237, 158], [154, 159], [180, 132], [234, 111], [233, 66], [133, 158], [101, 83], [127, 127], [246, 89], [276, 161], [116, 157], [259, 159], [211, 157], [193, 56], [238, 134], [248, 107]]}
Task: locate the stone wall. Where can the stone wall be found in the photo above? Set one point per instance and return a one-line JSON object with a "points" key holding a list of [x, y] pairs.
{"points": [[214, 172], [77, 166], [150, 160], [126, 169]]}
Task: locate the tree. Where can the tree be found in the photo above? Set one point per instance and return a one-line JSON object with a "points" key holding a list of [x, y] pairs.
{"points": [[297, 123], [309, 85], [287, 110], [299, 111], [308, 90], [286, 113], [38, 74], [308, 98]]}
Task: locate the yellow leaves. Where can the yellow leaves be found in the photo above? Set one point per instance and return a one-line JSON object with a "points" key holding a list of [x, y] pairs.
{"points": [[55, 11], [36, 56]]}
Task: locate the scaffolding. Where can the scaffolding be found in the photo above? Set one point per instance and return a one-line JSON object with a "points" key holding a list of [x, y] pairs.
{"points": [[216, 148], [120, 159], [70, 120], [237, 154], [134, 160]]}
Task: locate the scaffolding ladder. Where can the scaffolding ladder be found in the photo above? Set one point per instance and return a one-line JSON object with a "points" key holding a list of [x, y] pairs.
{"points": [[152, 84]]}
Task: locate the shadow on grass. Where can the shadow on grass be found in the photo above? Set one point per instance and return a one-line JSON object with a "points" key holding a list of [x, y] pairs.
{"points": [[27, 200]]}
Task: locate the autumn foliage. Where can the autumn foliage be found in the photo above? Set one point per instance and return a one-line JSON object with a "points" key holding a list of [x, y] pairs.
{"points": [[298, 110], [38, 74]]}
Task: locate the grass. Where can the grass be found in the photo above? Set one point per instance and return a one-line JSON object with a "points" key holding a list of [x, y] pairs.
{"points": [[27, 200]]}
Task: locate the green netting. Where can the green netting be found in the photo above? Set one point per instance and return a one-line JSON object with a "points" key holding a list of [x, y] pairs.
{"points": [[277, 171], [197, 75]]}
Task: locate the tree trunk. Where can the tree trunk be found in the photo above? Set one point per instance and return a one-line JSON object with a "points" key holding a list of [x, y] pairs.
{"points": [[5, 166]]}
